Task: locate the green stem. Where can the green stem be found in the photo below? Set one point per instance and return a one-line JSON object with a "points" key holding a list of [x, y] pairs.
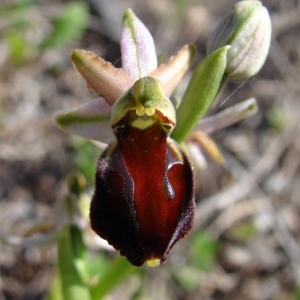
{"points": [[200, 93], [118, 271]]}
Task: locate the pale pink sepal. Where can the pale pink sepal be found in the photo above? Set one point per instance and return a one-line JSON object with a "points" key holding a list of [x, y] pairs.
{"points": [[137, 47], [101, 76], [228, 116], [90, 120], [171, 74]]}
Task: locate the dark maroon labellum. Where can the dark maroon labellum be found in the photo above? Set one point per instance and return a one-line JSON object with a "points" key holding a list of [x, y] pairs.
{"points": [[144, 195]]}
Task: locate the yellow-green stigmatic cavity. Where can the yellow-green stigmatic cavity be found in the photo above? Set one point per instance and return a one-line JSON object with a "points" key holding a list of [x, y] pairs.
{"points": [[146, 99]]}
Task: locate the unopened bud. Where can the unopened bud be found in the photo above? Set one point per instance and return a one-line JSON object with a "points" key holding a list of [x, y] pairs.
{"points": [[247, 29]]}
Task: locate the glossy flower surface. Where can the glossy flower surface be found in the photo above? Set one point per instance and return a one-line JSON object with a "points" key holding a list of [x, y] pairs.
{"points": [[144, 199]]}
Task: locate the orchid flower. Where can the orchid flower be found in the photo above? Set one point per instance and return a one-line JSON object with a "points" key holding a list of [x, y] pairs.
{"points": [[144, 191], [144, 197]]}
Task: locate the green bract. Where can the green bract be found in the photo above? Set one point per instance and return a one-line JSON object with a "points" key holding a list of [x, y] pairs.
{"points": [[200, 93]]}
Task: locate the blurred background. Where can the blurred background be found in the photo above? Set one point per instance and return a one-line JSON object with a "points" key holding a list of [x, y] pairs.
{"points": [[245, 243]]}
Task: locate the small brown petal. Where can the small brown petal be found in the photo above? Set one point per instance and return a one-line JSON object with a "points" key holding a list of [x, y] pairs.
{"points": [[207, 144], [101, 76], [171, 74]]}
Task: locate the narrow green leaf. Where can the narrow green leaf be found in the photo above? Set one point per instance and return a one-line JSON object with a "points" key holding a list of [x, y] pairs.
{"points": [[55, 292], [71, 264], [98, 264], [114, 275], [200, 93], [79, 253], [85, 158]]}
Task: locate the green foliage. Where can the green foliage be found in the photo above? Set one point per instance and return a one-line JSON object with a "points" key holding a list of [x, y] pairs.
{"points": [[20, 33], [15, 7], [97, 265], [203, 250], [243, 231], [17, 46], [76, 183], [161, 58], [118, 271], [180, 7], [72, 264], [55, 292], [81, 277], [15, 35], [296, 293], [69, 26], [79, 253], [188, 277], [277, 118], [86, 158]]}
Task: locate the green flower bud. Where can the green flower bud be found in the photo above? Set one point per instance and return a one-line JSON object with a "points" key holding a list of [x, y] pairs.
{"points": [[247, 29]]}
